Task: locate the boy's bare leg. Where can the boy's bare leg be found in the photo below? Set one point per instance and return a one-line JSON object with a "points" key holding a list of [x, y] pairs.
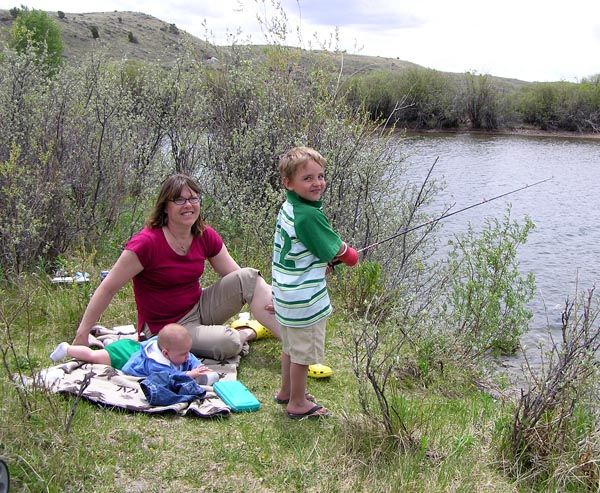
{"points": [[299, 404], [284, 391]]}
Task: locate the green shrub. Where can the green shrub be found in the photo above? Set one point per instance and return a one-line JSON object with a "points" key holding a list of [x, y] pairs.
{"points": [[419, 98], [90, 164], [486, 309], [480, 101], [562, 105], [35, 30]]}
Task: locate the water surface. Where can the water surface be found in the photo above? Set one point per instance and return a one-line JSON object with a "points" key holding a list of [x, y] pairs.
{"points": [[564, 250]]}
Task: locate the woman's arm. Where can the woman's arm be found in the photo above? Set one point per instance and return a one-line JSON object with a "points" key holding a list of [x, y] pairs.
{"points": [[127, 266], [223, 263]]}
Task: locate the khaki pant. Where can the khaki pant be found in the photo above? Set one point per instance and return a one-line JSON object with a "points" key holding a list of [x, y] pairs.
{"points": [[304, 345], [218, 303]]}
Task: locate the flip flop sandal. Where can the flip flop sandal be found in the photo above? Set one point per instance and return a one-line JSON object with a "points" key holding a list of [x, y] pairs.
{"points": [[312, 413], [309, 397], [261, 331]]}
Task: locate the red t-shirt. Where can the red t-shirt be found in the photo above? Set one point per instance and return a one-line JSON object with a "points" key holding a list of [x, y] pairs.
{"points": [[169, 285]]}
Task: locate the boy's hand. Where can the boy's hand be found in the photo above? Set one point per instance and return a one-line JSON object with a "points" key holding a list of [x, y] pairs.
{"points": [[349, 256]]}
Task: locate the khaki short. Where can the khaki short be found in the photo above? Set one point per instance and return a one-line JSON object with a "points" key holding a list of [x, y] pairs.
{"points": [[305, 345], [218, 303]]}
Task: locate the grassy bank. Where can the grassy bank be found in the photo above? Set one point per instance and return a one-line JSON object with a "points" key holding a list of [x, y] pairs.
{"points": [[112, 451]]}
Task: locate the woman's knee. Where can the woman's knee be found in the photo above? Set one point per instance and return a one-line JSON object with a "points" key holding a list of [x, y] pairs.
{"points": [[215, 341], [249, 280]]}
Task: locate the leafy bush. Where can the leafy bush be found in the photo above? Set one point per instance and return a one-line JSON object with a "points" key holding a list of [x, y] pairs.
{"points": [[480, 101], [562, 105], [419, 98], [486, 309], [35, 30], [94, 30], [83, 141]]}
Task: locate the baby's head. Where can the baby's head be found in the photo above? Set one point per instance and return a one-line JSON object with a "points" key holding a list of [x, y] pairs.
{"points": [[175, 343]]}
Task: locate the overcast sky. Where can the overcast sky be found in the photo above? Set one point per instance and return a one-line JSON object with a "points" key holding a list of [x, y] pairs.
{"points": [[533, 40]]}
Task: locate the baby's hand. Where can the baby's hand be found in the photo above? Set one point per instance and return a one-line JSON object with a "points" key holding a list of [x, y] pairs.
{"points": [[199, 370]]}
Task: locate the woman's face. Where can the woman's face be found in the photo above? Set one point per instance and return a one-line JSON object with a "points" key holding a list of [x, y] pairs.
{"points": [[186, 213]]}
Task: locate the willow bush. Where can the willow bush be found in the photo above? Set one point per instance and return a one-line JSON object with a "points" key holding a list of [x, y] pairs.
{"points": [[417, 98], [562, 105], [77, 150], [258, 111], [486, 310], [426, 99]]}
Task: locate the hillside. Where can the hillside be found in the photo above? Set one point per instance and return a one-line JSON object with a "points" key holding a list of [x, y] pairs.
{"points": [[161, 42], [156, 41]]}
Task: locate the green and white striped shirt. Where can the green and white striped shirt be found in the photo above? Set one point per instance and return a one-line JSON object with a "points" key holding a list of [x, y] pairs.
{"points": [[303, 245]]}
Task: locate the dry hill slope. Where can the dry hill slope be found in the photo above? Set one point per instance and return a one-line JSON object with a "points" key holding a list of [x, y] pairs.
{"points": [[160, 42], [154, 40]]}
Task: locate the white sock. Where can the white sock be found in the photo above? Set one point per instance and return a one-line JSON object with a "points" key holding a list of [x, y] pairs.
{"points": [[59, 352]]}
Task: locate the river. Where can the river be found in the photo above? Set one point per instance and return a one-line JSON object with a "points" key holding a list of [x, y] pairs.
{"points": [[563, 251]]}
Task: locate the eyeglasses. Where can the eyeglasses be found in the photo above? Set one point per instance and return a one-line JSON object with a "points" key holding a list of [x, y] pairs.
{"points": [[183, 200]]}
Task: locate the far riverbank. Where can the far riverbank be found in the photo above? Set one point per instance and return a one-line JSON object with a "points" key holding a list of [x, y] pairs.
{"points": [[522, 131]]}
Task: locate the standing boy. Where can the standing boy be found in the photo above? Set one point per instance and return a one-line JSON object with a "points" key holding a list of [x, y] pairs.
{"points": [[304, 244]]}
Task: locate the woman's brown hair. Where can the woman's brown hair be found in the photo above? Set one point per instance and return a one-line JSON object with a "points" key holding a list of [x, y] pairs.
{"points": [[171, 189]]}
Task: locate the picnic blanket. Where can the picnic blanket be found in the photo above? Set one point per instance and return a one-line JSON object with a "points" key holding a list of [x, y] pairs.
{"points": [[109, 387]]}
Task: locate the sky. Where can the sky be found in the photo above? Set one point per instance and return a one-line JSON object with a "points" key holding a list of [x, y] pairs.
{"points": [[531, 40]]}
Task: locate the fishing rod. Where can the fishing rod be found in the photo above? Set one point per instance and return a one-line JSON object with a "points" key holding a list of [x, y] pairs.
{"points": [[444, 216]]}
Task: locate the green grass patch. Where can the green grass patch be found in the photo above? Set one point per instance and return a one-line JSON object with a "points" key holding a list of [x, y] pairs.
{"points": [[108, 450]]}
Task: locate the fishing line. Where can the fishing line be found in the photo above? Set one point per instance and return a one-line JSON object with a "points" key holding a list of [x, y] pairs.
{"points": [[444, 216]]}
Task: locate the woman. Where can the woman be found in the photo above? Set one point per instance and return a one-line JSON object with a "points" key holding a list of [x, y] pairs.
{"points": [[166, 260]]}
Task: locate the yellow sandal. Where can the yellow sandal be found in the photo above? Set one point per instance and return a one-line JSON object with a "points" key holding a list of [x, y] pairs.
{"points": [[244, 322], [319, 371]]}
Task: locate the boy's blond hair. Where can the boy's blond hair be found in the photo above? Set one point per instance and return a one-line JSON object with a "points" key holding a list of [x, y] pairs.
{"points": [[297, 157], [174, 336]]}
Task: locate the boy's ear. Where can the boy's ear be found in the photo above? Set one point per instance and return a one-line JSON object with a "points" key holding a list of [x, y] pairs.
{"points": [[286, 182]]}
